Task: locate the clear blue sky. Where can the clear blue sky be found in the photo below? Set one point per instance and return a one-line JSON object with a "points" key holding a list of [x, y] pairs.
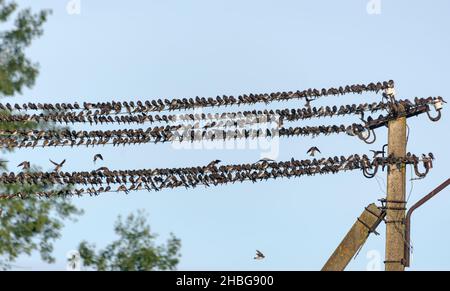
{"points": [[148, 49]]}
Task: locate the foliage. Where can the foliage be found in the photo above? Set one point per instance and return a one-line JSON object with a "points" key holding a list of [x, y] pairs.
{"points": [[30, 224], [135, 250], [16, 70]]}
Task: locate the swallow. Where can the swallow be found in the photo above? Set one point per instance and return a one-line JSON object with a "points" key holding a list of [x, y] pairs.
{"points": [[308, 102], [213, 163], [210, 125], [103, 169], [58, 166], [123, 188], [266, 160], [25, 165], [377, 153], [312, 151], [98, 156], [259, 255]]}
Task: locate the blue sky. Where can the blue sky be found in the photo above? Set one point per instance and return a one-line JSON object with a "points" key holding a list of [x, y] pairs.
{"points": [[152, 49]]}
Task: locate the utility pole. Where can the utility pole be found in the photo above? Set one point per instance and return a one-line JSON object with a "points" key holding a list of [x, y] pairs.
{"points": [[355, 238], [395, 200]]}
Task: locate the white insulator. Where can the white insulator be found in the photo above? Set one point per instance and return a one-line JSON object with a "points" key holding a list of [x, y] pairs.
{"points": [[438, 105]]}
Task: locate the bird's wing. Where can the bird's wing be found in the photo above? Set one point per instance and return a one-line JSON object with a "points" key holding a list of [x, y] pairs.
{"points": [[317, 150], [259, 253], [62, 163], [310, 150], [21, 164], [56, 164]]}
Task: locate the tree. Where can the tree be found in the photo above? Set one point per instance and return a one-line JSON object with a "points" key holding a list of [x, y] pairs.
{"points": [[16, 70], [135, 250], [30, 224]]}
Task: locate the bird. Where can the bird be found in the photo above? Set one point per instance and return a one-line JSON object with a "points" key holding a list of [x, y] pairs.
{"points": [[377, 153], [103, 169], [312, 151], [308, 102], [123, 188], [57, 166], [98, 156], [266, 160], [213, 164], [25, 165], [259, 256]]}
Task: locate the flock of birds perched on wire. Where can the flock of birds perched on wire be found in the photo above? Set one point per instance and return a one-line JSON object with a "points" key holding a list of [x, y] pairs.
{"points": [[190, 127], [185, 103], [213, 174]]}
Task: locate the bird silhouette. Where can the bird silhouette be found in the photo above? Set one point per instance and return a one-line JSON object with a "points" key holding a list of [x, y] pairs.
{"points": [[98, 156], [213, 164], [266, 160], [377, 153], [259, 255], [312, 151], [57, 166], [25, 165]]}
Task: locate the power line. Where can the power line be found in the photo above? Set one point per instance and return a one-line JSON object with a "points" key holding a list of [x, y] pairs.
{"points": [[198, 102], [191, 177]]}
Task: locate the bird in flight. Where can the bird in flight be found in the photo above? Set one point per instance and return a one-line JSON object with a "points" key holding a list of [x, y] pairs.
{"points": [[308, 102], [58, 166], [25, 165], [98, 156], [259, 255], [377, 153], [266, 160], [312, 151]]}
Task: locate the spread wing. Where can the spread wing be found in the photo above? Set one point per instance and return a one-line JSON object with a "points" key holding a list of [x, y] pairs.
{"points": [[56, 164], [266, 160]]}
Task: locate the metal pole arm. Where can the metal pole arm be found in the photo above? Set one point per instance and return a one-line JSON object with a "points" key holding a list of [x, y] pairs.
{"points": [[408, 218]]}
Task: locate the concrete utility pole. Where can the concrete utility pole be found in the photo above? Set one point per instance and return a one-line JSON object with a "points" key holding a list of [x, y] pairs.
{"points": [[355, 238], [395, 204]]}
